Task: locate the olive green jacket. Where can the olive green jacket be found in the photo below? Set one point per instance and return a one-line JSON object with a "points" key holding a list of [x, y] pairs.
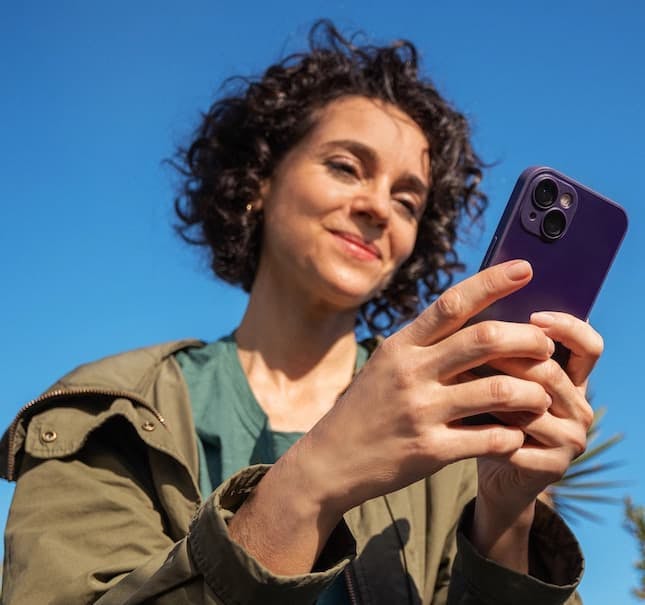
{"points": [[107, 510]]}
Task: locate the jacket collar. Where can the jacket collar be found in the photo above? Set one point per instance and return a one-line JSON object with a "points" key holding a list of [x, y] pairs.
{"points": [[131, 375], [133, 371]]}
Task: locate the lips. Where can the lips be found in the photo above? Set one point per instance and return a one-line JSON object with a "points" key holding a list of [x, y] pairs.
{"points": [[359, 242]]}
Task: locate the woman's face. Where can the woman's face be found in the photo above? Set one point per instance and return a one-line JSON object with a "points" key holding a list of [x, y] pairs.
{"points": [[341, 211]]}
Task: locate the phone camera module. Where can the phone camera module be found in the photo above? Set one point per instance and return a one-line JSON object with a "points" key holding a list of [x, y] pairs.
{"points": [[553, 224], [545, 193]]}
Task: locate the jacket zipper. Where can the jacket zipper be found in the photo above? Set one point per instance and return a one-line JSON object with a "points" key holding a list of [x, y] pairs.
{"points": [[351, 588], [73, 392]]}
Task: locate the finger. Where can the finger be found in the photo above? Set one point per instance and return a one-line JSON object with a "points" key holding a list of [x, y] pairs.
{"points": [[496, 394], [585, 344], [568, 400], [547, 430], [461, 302], [477, 344], [461, 442], [551, 463]]}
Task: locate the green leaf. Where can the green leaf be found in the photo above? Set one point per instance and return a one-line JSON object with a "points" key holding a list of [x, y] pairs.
{"points": [[572, 512], [588, 497], [580, 483], [567, 483], [591, 470], [593, 452]]}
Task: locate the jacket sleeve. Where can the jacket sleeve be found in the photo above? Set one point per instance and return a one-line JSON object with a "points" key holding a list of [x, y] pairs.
{"points": [[86, 529], [556, 567]]}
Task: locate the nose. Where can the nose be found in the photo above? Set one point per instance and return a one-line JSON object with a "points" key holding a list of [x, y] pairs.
{"points": [[375, 205]]}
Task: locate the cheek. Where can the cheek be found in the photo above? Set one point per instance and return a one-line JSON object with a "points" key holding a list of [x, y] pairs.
{"points": [[403, 243], [288, 227], [297, 203]]}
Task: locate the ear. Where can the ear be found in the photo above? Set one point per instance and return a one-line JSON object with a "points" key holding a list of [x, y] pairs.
{"points": [[258, 204]]}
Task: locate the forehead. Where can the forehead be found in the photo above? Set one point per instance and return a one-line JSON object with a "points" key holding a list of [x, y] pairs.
{"points": [[385, 128]]}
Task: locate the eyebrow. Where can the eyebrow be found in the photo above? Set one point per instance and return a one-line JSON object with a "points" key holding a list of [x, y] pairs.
{"points": [[368, 155]]}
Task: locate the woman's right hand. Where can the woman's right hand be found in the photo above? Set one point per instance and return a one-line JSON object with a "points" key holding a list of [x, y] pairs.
{"points": [[400, 419]]}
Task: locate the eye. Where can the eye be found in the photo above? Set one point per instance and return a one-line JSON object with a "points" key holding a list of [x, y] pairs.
{"points": [[408, 206], [343, 168]]}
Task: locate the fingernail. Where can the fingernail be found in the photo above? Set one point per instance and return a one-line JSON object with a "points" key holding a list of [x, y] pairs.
{"points": [[549, 401], [550, 349], [518, 270], [542, 319]]}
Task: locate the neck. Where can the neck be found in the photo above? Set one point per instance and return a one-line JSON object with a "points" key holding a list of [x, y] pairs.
{"points": [[293, 337], [296, 356]]}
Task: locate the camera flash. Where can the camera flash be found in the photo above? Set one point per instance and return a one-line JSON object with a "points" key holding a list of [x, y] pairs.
{"points": [[565, 200]]}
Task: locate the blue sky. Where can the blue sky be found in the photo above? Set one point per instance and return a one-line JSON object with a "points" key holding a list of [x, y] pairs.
{"points": [[95, 96]]}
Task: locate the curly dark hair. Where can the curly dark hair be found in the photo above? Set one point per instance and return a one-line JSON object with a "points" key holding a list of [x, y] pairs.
{"points": [[243, 137]]}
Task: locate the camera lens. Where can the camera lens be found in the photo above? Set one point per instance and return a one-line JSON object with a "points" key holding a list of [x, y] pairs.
{"points": [[553, 224], [545, 193]]}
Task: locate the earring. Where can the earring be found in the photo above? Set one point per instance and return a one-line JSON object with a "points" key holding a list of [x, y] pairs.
{"points": [[249, 207]]}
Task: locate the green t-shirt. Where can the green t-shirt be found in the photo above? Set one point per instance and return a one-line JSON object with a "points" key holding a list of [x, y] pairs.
{"points": [[232, 429]]}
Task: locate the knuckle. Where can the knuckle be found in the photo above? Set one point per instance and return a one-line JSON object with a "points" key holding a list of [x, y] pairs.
{"points": [[429, 444], [576, 440], [555, 474], [587, 417], [500, 389], [486, 334], [541, 340], [415, 449], [386, 348], [400, 380], [498, 442], [598, 345], [450, 304], [408, 419], [489, 282], [402, 375], [579, 443], [552, 372]]}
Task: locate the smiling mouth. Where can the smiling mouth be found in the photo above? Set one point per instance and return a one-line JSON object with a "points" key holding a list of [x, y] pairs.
{"points": [[358, 246]]}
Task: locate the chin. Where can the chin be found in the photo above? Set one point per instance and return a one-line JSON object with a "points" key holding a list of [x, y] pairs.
{"points": [[350, 289], [354, 298]]}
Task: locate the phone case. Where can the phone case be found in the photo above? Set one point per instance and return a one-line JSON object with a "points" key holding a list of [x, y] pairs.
{"points": [[568, 270]]}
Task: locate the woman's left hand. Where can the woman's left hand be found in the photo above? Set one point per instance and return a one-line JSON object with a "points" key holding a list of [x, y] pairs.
{"points": [[508, 486]]}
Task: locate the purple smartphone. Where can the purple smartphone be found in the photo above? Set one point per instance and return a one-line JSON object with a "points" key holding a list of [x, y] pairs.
{"points": [[568, 233]]}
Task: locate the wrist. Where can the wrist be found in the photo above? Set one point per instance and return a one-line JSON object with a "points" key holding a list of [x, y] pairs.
{"points": [[326, 475], [502, 535], [284, 523]]}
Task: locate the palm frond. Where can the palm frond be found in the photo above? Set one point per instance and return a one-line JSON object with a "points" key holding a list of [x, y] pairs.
{"points": [[594, 469], [562, 494], [569, 495], [599, 449], [634, 523], [565, 483], [573, 513]]}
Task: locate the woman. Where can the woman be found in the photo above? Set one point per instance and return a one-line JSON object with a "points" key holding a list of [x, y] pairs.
{"points": [[331, 189]]}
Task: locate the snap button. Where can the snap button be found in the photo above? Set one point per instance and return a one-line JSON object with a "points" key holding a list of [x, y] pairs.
{"points": [[148, 426], [48, 436]]}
